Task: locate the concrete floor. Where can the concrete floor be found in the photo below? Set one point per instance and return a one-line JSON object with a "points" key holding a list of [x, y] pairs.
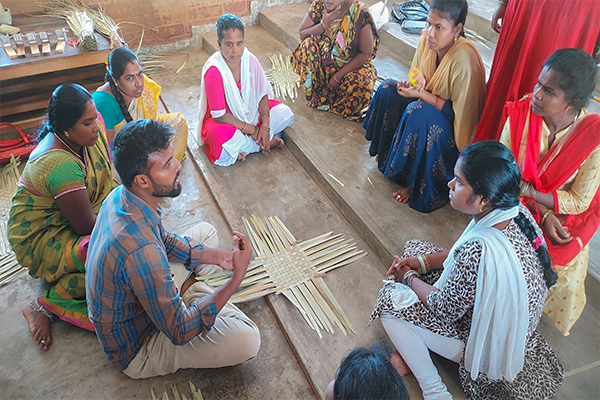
{"points": [[295, 184]]}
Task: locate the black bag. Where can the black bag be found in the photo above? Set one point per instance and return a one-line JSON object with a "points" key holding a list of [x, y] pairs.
{"points": [[411, 15]]}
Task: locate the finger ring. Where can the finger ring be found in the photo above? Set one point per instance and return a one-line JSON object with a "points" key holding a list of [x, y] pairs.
{"points": [[43, 342]]}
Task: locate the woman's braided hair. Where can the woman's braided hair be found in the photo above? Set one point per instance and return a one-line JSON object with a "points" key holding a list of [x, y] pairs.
{"points": [[491, 170], [67, 105], [117, 62]]}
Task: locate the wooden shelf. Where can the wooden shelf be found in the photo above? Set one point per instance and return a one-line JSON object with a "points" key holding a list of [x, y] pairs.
{"points": [[26, 84]]}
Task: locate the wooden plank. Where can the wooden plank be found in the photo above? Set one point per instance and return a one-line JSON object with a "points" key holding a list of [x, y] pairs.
{"points": [[52, 79], [33, 102]]}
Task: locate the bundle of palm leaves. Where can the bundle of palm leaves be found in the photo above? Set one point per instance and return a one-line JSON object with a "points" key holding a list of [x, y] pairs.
{"points": [[101, 21]]}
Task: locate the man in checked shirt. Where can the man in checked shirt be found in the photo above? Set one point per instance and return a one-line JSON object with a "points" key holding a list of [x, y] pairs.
{"points": [[151, 316]]}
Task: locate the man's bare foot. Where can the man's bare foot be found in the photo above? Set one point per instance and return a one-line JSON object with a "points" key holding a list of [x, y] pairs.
{"points": [[277, 143], [39, 326], [242, 156], [399, 364], [401, 195]]}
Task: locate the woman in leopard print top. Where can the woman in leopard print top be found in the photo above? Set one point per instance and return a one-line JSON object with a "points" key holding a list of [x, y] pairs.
{"points": [[489, 330]]}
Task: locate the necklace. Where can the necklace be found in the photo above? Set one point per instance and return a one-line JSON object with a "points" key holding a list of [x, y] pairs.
{"points": [[68, 147]]}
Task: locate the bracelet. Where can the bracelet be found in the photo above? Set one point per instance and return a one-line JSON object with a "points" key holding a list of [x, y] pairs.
{"points": [[534, 193], [524, 190], [407, 275], [336, 79], [266, 128], [264, 113], [427, 262], [323, 25], [548, 212], [423, 265], [243, 127], [256, 129]]}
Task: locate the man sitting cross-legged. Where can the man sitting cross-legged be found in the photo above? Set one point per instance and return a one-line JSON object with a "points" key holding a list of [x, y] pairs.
{"points": [[149, 313]]}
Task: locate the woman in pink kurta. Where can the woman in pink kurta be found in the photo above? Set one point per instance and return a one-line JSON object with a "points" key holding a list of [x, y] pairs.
{"points": [[236, 113]]}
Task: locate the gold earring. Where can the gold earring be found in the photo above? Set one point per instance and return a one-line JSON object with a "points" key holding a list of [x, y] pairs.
{"points": [[568, 108], [66, 134]]}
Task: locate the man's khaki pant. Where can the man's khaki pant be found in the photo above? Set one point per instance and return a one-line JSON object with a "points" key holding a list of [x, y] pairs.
{"points": [[233, 339]]}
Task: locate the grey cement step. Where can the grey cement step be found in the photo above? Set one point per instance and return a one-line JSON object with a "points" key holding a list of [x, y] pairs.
{"points": [[333, 152]]}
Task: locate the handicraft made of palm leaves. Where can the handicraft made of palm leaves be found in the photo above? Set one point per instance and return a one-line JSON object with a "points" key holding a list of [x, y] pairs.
{"points": [[283, 78], [295, 269]]}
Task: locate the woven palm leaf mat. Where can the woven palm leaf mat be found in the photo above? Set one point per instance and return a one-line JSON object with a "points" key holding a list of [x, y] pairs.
{"points": [[9, 267], [284, 80], [295, 269]]}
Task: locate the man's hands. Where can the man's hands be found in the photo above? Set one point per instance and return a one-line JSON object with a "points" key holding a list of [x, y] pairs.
{"points": [[239, 257], [242, 254]]}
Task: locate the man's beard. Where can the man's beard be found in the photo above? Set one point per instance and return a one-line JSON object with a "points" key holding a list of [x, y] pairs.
{"points": [[166, 190]]}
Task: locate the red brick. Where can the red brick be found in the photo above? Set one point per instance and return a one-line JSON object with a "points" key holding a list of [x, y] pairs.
{"points": [[236, 7], [209, 12]]}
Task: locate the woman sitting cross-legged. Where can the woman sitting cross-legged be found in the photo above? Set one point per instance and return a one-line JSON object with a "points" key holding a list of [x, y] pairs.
{"points": [[65, 181], [334, 59], [557, 145], [417, 129], [237, 116], [479, 303], [129, 95]]}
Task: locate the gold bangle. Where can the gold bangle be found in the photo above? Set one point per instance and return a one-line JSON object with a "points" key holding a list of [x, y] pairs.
{"points": [[256, 130], [266, 128], [548, 212], [243, 127], [524, 190], [323, 25], [264, 113], [336, 79]]}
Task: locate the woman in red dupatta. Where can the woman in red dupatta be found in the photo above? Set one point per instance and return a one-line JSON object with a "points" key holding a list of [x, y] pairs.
{"points": [[557, 146], [531, 31]]}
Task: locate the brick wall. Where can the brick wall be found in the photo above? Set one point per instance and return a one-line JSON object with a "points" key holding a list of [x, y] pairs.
{"points": [[165, 21]]}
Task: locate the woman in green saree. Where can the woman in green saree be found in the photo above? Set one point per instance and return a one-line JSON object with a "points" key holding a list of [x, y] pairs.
{"points": [[63, 185]]}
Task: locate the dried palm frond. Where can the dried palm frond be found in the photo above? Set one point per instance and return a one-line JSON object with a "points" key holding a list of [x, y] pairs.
{"points": [[294, 269], [103, 23], [9, 267], [83, 27], [157, 62], [282, 76], [196, 394]]}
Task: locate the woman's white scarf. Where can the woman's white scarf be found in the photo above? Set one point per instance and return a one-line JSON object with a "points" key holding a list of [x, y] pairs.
{"points": [[496, 343], [243, 104]]}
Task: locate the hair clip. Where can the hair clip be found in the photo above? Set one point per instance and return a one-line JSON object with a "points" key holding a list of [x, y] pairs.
{"points": [[537, 243]]}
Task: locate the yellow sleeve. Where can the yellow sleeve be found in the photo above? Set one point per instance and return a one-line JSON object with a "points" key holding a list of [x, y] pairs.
{"points": [[467, 93], [575, 197], [505, 136]]}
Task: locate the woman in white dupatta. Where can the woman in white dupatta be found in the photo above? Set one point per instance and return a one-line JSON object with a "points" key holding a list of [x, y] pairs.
{"points": [[237, 116], [479, 303]]}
